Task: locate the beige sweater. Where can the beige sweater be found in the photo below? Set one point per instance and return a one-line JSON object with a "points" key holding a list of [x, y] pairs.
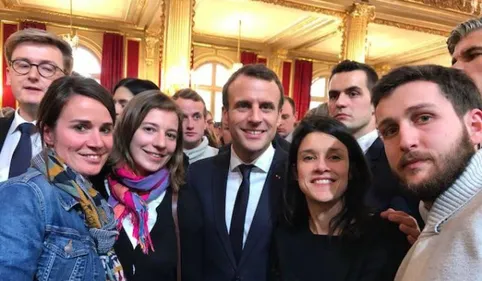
{"points": [[450, 246]]}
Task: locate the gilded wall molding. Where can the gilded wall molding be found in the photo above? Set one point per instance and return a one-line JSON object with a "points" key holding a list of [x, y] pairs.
{"points": [[162, 31], [363, 10], [411, 27], [355, 30], [303, 7], [151, 42], [193, 13], [472, 7]]}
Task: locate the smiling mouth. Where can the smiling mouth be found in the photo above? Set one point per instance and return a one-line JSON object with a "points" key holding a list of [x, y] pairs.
{"points": [[93, 157], [153, 154], [254, 132], [323, 181]]}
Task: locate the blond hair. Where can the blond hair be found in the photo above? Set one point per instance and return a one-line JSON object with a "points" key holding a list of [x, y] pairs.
{"points": [[38, 36]]}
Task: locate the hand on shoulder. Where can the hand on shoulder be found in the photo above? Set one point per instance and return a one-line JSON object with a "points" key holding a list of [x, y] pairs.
{"points": [[406, 223]]}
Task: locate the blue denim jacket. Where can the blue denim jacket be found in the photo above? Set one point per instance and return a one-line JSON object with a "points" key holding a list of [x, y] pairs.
{"points": [[42, 236]]}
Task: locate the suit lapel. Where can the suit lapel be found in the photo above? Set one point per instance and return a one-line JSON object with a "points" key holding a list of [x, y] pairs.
{"points": [[5, 124], [267, 205], [220, 178]]}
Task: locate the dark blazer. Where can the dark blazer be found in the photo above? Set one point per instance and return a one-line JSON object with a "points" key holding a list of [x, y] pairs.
{"points": [[208, 179], [5, 124], [162, 263], [386, 191]]}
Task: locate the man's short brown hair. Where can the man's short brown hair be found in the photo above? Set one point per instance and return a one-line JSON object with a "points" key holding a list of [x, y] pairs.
{"points": [[190, 94], [38, 36]]}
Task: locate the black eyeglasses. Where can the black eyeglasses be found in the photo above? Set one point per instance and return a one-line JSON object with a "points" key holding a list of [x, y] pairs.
{"points": [[45, 69]]}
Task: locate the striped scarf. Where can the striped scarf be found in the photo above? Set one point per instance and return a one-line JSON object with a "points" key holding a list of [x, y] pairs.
{"points": [[98, 216], [130, 194]]}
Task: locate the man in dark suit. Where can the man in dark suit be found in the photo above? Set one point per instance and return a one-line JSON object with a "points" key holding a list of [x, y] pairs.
{"points": [[350, 103], [35, 58], [239, 189]]}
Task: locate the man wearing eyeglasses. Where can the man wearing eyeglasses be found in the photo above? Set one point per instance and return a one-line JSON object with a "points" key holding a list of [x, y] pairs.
{"points": [[35, 59]]}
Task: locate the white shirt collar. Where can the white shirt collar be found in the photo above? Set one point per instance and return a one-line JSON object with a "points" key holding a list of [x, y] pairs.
{"points": [[367, 140], [263, 162], [17, 120]]}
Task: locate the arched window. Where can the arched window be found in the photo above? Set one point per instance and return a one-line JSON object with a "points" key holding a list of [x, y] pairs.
{"points": [[86, 63], [208, 80], [318, 92]]}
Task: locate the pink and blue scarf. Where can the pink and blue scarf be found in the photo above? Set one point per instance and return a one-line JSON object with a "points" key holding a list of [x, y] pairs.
{"points": [[130, 194]]}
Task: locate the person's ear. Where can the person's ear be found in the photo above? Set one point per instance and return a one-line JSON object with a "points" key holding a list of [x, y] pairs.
{"points": [[473, 123], [48, 136]]}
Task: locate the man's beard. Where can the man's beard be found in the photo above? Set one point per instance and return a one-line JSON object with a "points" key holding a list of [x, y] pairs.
{"points": [[451, 165]]}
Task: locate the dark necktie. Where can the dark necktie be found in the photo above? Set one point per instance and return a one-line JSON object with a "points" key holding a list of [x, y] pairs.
{"points": [[23, 152], [239, 213]]}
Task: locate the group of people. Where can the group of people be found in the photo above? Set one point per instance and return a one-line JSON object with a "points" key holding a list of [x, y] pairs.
{"points": [[382, 185]]}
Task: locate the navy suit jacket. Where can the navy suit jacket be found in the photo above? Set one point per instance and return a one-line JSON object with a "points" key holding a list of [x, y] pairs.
{"points": [[386, 191], [208, 179], [5, 124]]}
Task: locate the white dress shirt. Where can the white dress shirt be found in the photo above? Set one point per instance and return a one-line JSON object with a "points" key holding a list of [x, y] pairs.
{"points": [[11, 141], [151, 220], [367, 140], [257, 179]]}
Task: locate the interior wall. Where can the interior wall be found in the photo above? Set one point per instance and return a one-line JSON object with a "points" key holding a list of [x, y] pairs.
{"points": [[208, 53], [90, 39]]}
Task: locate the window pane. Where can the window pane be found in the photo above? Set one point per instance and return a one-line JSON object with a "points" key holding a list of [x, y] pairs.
{"points": [[314, 104], [222, 75], [206, 95], [203, 75], [318, 87], [86, 63], [218, 106]]}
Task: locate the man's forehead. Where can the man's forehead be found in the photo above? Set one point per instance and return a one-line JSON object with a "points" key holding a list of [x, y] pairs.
{"points": [[472, 39], [409, 97], [348, 79]]}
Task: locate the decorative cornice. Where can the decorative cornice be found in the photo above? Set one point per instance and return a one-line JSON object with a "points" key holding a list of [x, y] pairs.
{"points": [[472, 7], [411, 27], [45, 12], [303, 7], [363, 10]]}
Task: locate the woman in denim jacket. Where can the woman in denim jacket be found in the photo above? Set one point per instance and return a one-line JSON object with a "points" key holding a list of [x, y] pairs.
{"points": [[54, 225]]}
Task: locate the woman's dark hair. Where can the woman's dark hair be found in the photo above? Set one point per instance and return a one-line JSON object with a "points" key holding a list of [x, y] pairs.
{"points": [[135, 86], [353, 213], [134, 114], [61, 91]]}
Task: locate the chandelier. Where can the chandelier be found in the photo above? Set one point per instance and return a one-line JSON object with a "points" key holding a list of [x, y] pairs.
{"points": [[238, 65], [71, 38]]}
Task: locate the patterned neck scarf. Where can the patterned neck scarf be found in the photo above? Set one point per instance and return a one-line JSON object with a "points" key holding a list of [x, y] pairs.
{"points": [[130, 194], [98, 216]]}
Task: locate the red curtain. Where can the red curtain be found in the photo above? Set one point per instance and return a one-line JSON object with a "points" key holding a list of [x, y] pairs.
{"points": [[112, 60], [286, 77], [132, 58], [302, 86], [32, 24], [248, 57], [262, 61], [8, 100]]}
